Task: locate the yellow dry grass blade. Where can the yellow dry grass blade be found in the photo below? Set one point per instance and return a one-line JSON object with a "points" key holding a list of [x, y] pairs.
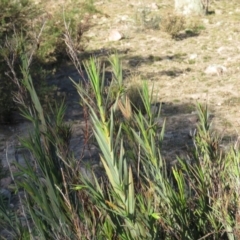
{"points": [[125, 108]]}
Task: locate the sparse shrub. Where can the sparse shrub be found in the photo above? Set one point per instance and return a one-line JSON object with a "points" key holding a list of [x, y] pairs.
{"points": [[173, 24], [16, 17], [24, 20], [76, 15]]}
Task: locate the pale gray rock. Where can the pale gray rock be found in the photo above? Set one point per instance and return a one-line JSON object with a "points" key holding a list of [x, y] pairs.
{"points": [[215, 70], [115, 35], [193, 56], [154, 6]]}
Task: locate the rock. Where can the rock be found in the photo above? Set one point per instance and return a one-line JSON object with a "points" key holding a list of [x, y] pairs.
{"points": [[205, 21], [123, 18], [218, 12], [221, 49], [193, 56], [115, 35], [154, 6], [219, 23], [215, 70]]}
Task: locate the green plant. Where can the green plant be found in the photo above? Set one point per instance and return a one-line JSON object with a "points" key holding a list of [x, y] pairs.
{"points": [[51, 48], [179, 203], [16, 17], [46, 187], [116, 200], [24, 24], [137, 195]]}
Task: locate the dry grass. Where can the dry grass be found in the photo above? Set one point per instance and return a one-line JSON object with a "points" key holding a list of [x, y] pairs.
{"points": [[177, 66], [173, 24]]}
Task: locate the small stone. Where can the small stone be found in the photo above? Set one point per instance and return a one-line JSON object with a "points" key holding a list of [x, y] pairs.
{"points": [[221, 49], [193, 56], [215, 70], [219, 23], [115, 35], [218, 12], [154, 6], [206, 21], [124, 18]]}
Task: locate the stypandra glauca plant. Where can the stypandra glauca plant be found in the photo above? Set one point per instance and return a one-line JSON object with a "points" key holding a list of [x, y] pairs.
{"points": [[135, 195], [52, 208], [204, 202], [140, 197], [122, 217]]}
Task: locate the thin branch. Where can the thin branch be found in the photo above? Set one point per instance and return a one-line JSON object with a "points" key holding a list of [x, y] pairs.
{"points": [[71, 50], [37, 44]]}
